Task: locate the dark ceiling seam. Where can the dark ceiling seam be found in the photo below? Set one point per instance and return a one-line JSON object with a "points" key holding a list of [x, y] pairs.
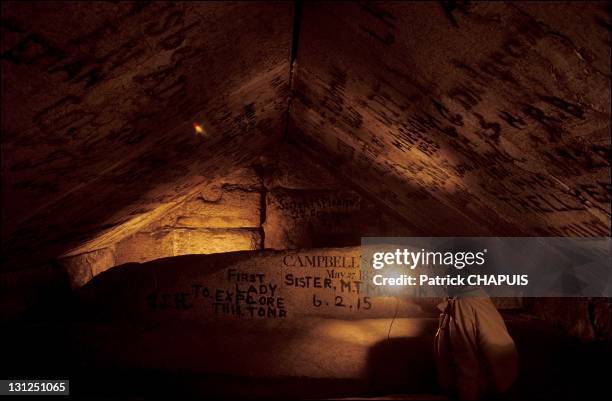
{"points": [[295, 42], [297, 20]]}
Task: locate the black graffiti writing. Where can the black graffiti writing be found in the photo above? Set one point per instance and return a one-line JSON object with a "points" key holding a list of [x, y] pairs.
{"points": [[307, 281], [325, 261], [360, 303]]}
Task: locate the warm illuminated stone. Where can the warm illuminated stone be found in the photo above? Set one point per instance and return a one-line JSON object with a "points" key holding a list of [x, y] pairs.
{"points": [[205, 240], [234, 208], [81, 268]]}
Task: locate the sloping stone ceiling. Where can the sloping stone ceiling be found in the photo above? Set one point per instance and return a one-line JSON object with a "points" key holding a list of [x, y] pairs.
{"points": [[462, 118], [99, 99], [466, 118]]}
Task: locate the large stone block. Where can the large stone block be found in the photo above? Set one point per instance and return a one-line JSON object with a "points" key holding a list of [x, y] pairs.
{"points": [[262, 285], [205, 241], [234, 208], [312, 218], [81, 268], [245, 178], [144, 246]]}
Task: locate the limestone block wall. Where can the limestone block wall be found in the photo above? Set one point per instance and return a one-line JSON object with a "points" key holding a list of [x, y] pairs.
{"points": [[316, 282], [284, 201], [221, 217], [244, 314], [306, 207]]}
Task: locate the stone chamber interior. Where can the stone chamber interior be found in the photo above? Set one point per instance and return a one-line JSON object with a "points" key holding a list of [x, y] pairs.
{"points": [[160, 159]]}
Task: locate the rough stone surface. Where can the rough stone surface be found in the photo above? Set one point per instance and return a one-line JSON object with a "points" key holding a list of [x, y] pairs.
{"points": [[286, 167], [82, 268], [144, 246], [307, 206], [234, 208], [311, 218], [204, 241], [455, 118], [223, 215], [485, 118], [99, 102], [274, 285]]}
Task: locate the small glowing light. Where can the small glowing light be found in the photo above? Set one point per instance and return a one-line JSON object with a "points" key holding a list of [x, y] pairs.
{"points": [[198, 129]]}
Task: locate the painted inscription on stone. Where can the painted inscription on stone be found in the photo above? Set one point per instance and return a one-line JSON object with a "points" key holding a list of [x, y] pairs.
{"points": [[282, 285]]}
